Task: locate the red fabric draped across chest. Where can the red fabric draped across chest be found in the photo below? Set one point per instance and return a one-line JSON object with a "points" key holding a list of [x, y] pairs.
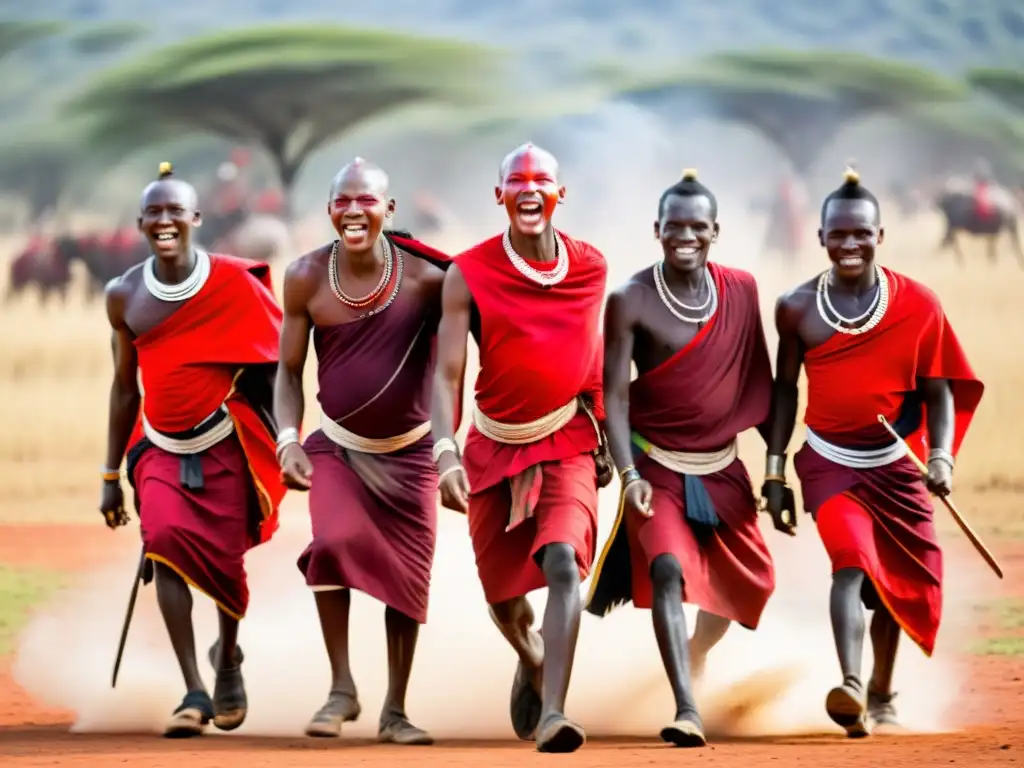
{"points": [[539, 348], [851, 379], [189, 363]]}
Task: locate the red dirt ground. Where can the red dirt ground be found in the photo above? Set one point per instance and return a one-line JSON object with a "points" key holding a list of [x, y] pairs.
{"points": [[32, 735]]}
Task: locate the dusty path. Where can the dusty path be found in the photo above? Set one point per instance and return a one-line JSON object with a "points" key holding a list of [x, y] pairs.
{"points": [[33, 735]]}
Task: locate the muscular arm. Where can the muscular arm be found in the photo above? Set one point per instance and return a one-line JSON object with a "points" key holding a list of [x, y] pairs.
{"points": [[124, 390], [938, 399], [452, 336], [289, 401], [618, 355], [789, 360]]}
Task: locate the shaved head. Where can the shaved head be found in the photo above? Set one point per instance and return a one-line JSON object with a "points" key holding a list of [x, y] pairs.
{"points": [[180, 190], [367, 174], [539, 156], [528, 189], [359, 205]]}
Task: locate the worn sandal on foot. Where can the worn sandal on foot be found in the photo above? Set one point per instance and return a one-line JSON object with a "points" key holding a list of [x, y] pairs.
{"points": [[340, 708], [559, 735], [191, 717], [684, 733], [230, 702], [404, 733], [845, 705]]}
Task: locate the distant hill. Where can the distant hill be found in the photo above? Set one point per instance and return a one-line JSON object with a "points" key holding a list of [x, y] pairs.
{"points": [[950, 35]]}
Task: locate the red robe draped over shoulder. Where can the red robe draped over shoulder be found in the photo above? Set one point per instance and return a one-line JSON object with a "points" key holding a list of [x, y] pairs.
{"points": [[190, 364], [887, 529], [716, 387]]}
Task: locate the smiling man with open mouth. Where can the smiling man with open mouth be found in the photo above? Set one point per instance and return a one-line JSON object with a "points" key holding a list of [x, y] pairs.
{"points": [[533, 459]]}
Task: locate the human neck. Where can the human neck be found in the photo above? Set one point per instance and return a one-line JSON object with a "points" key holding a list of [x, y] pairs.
{"points": [[364, 262], [690, 280], [540, 248], [177, 269], [856, 286]]}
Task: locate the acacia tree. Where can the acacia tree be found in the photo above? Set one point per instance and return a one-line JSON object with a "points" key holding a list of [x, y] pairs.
{"points": [[39, 166], [289, 90], [956, 137], [797, 100], [1006, 86], [20, 34]]}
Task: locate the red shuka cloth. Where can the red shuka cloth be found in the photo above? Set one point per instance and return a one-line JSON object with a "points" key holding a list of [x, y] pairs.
{"points": [[539, 349], [699, 400], [851, 380], [189, 365], [374, 516]]}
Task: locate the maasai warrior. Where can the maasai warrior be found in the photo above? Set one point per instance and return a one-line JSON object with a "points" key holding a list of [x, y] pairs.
{"points": [[687, 524], [373, 303], [874, 343], [533, 459], [203, 329]]}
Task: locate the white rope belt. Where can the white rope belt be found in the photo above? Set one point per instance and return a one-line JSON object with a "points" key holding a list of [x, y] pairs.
{"points": [[854, 458], [338, 435], [192, 445], [531, 431], [694, 463]]}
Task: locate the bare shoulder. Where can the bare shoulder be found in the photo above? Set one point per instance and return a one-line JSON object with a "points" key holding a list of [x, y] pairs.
{"points": [[455, 294], [118, 293], [303, 277], [625, 301], [309, 267], [794, 304]]}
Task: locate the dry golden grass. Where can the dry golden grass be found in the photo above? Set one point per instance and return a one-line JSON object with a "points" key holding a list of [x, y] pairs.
{"points": [[56, 374]]}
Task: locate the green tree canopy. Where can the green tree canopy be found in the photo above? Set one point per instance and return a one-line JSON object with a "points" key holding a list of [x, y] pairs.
{"points": [[19, 34], [39, 164], [102, 39], [1004, 85], [798, 100], [287, 89], [957, 136]]}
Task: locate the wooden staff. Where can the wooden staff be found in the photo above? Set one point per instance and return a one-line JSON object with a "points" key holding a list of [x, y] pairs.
{"points": [[948, 503], [128, 617]]}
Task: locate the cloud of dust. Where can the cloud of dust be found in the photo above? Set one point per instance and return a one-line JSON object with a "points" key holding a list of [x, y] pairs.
{"points": [[772, 681]]}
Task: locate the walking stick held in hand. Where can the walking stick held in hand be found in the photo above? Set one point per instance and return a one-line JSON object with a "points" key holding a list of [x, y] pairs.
{"points": [[128, 617], [948, 504]]}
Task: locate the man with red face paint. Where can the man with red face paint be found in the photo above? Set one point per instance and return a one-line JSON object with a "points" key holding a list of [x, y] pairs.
{"points": [[372, 300], [534, 457]]}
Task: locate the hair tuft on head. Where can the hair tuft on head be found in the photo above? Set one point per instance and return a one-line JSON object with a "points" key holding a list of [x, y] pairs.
{"points": [[166, 170], [688, 186], [850, 176]]}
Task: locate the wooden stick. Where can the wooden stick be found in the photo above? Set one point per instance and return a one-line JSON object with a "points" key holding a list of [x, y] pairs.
{"points": [[948, 503], [128, 617]]}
